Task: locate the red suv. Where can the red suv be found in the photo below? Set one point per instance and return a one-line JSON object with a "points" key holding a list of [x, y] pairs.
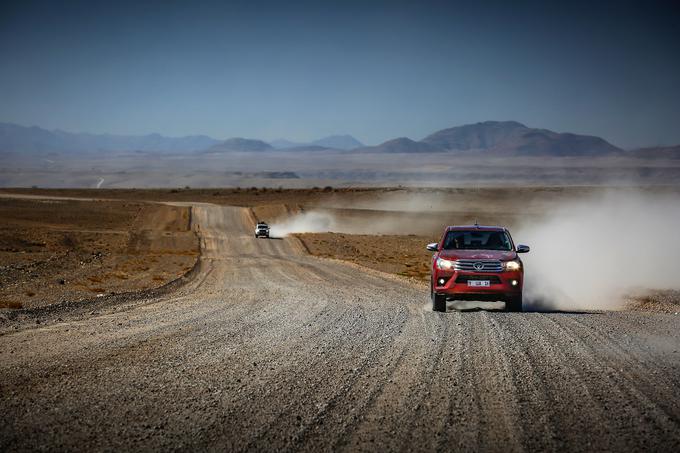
{"points": [[478, 263]]}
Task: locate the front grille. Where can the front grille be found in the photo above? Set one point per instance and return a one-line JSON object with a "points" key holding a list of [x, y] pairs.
{"points": [[478, 266], [493, 279]]}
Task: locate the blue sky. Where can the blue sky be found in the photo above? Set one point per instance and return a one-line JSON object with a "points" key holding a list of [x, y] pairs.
{"points": [[376, 70]]}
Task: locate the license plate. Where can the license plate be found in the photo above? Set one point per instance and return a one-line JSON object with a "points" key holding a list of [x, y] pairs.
{"points": [[478, 283]]}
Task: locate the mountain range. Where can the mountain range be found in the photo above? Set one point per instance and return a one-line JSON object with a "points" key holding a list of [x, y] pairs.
{"points": [[38, 140], [16, 138], [503, 138]]}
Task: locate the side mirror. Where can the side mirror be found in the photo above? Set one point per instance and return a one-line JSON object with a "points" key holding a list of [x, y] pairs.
{"points": [[523, 248], [433, 247]]}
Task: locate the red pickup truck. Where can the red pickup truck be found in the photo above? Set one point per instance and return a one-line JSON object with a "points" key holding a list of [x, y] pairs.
{"points": [[478, 263]]}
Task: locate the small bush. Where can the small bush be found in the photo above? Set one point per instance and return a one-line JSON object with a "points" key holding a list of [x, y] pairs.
{"points": [[69, 241]]}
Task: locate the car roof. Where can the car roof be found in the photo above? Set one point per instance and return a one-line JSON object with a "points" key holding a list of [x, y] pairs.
{"points": [[474, 227]]}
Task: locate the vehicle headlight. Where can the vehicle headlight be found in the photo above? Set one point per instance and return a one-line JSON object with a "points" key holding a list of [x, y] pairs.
{"points": [[445, 265], [513, 265]]}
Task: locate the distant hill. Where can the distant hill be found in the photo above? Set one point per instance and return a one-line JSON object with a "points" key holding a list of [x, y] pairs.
{"points": [[339, 142], [657, 152], [513, 138], [475, 136], [402, 145], [282, 143], [344, 142], [240, 144], [15, 138]]}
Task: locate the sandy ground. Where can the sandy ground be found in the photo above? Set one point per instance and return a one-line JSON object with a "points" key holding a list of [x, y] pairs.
{"points": [[291, 169], [66, 250], [247, 196], [267, 348], [471, 200]]}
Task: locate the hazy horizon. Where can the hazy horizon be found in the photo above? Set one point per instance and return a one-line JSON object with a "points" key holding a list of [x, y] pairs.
{"points": [[293, 140], [170, 136]]}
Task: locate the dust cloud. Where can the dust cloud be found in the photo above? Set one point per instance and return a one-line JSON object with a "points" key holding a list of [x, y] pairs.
{"points": [[590, 254], [383, 214], [305, 222]]}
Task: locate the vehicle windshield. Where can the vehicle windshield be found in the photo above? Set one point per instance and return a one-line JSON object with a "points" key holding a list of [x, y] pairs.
{"points": [[477, 240]]}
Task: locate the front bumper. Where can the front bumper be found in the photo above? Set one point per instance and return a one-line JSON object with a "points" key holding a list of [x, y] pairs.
{"points": [[454, 284]]}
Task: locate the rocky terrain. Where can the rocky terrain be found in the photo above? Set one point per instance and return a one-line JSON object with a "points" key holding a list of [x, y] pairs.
{"points": [[57, 250]]}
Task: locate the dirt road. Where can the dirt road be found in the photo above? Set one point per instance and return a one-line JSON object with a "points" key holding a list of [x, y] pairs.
{"points": [[270, 349]]}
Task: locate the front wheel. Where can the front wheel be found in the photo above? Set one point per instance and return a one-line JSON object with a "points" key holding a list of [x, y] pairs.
{"points": [[514, 304], [438, 302]]}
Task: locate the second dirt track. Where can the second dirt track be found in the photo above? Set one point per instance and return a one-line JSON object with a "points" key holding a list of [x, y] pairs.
{"points": [[267, 348]]}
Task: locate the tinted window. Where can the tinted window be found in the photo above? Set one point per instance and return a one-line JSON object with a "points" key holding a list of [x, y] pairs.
{"points": [[477, 240]]}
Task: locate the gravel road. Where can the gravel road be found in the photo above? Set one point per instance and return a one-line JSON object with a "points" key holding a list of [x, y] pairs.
{"points": [[270, 349]]}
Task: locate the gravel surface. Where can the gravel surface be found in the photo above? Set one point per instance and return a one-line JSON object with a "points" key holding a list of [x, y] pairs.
{"points": [[267, 348]]}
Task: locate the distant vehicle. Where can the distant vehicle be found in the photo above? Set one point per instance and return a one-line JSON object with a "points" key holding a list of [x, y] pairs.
{"points": [[478, 263], [261, 230]]}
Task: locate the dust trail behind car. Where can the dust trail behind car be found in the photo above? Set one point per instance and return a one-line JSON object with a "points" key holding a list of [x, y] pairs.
{"points": [[591, 253], [305, 222]]}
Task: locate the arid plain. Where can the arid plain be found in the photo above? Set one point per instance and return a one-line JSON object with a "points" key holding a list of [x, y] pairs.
{"points": [[154, 319]]}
